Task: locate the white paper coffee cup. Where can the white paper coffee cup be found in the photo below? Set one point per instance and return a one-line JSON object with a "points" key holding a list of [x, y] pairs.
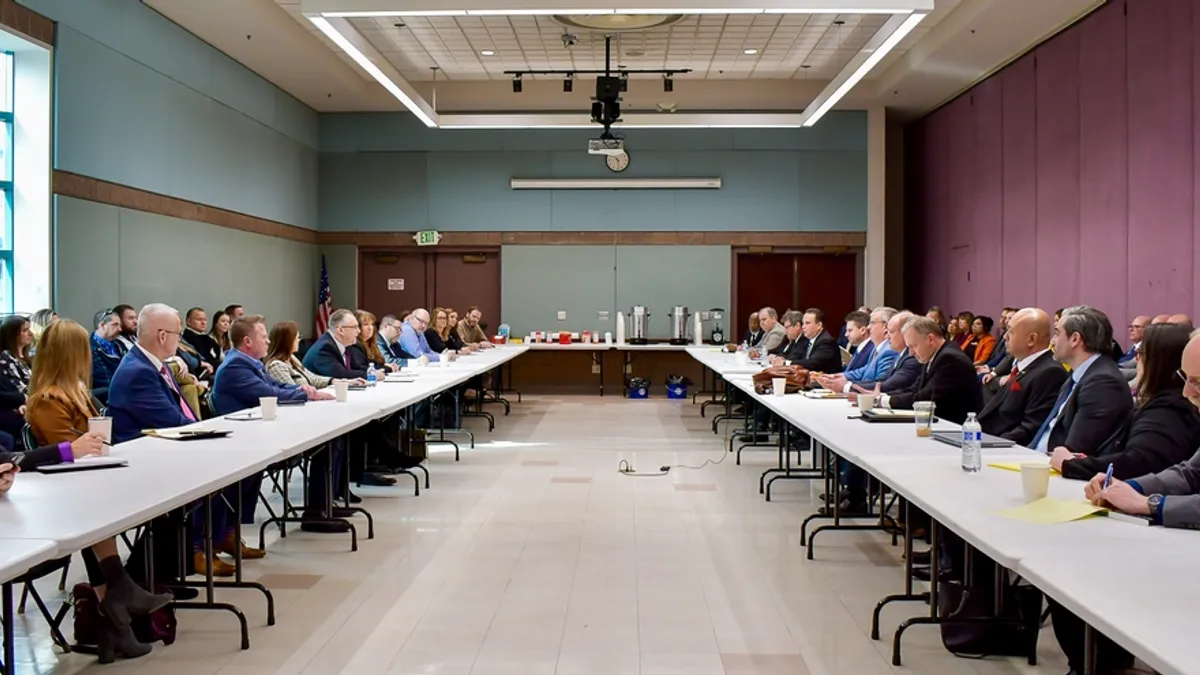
{"points": [[1035, 480], [341, 389], [102, 426], [778, 385], [270, 407], [866, 402]]}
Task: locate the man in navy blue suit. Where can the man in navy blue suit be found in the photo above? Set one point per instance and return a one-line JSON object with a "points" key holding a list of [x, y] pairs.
{"points": [[241, 380], [143, 395]]}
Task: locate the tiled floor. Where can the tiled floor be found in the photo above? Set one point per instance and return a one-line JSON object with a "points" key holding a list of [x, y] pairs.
{"points": [[533, 555]]}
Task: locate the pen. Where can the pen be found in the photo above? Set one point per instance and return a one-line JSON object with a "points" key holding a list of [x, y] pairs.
{"points": [[1108, 477], [81, 433]]}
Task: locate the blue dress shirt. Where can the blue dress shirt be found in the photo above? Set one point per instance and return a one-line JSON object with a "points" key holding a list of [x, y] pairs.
{"points": [[415, 343]]}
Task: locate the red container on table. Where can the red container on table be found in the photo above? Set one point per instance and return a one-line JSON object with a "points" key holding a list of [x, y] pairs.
{"points": [[564, 338]]}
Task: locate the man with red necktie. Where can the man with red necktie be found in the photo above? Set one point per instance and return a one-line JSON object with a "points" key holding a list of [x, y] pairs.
{"points": [[1020, 407]]}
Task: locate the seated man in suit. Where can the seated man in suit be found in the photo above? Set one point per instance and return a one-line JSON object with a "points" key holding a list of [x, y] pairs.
{"points": [[330, 356], [905, 368], [858, 343], [1022, 405], [820, 354], [143, 395], [947, 379], [389, 341], [878, 366], [790, 349], [106, 355], [196, 334], [1095, 401], [773, 334], [241, 381]]}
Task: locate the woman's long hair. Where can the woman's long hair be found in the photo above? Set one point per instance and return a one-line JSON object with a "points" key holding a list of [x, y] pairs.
{"points": [[10, 337], [222, 339], [1160, 353], [63, 371], [369, 345], [283, 336]]}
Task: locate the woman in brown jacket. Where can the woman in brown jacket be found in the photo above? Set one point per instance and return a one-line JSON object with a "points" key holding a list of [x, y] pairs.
{"points": [[60, 404]]}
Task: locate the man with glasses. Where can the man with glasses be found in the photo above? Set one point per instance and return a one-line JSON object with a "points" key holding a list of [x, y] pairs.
{"points": [[389, 341], [329, 355], [412, 337], [106, 355], [878, 365]]}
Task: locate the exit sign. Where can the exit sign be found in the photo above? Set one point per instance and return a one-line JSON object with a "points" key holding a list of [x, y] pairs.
{"points": [[427, 238]]}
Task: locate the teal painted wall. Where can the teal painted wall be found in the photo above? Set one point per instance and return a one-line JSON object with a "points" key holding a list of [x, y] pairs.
{"points": [[144, 103], [385, 172]]}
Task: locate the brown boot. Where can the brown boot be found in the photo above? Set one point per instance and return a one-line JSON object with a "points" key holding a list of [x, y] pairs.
{"points": [[220, 568], [229, 547]]}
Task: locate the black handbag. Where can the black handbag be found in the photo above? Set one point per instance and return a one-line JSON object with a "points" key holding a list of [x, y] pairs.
{"points": [[972, 627]]}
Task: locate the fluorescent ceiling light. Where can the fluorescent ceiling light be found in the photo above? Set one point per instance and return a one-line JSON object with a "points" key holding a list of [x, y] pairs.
{"points": [[615, 183], [534, 12], [749, 52], [647, 11], [487, 52], [876, 56], [396, 12], [372, 69]]}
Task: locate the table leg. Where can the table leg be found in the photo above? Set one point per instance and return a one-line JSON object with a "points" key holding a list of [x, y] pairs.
{"points": [[908, 595], [933, 618], [10, 664], [1089, 650]]}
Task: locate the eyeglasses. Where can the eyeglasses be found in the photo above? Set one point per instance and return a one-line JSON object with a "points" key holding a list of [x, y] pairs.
{"points": [[351, 326], [170, 332], [1187, 381]]}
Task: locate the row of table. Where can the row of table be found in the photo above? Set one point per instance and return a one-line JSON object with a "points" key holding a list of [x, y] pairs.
{"points": [[46, 516], [1132, 583]]}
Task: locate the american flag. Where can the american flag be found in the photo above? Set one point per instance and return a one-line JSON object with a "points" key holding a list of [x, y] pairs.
{"points": [[324, 301]]}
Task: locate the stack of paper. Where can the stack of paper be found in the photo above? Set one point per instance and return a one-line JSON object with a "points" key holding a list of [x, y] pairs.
{"points": [[1049, 511]]}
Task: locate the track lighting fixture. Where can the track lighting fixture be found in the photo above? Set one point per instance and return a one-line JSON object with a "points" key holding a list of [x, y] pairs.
{"points": [[517, 84], [668, 84]]}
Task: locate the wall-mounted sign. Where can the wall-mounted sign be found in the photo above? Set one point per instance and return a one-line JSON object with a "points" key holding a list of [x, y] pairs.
{"points": [[427, 238], [395, 284]]}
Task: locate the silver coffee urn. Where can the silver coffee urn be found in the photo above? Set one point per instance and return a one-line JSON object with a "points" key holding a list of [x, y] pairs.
{"points": [[679, 325], [638, 317]]}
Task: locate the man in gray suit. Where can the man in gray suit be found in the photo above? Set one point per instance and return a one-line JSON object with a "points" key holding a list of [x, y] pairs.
{"points": [[1169, 498], [773, 333]]}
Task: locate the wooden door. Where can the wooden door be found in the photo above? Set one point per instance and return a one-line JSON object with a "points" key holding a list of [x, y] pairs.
{"points": [[763, 280], [463, 280], [830, 283], [392, 283]]}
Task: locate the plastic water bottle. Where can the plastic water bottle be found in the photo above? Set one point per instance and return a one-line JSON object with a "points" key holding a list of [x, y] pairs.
{"points": [[371, 376], [972, 445]]}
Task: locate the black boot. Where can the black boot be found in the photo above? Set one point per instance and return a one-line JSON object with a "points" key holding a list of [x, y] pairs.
{"points": [[125, 596]]}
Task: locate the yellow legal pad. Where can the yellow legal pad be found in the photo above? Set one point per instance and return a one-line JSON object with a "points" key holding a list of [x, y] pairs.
{"points": [[1016, 466], [1048, 511]]}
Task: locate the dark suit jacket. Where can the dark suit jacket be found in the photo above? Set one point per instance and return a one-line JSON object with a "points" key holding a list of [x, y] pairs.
{"points": [[862, 354], [1160, 434], [1098, 406], [790, 350], [903, 375], [241, 381], [205, 345], [1019, 408], [999, 353], [140, 398], [949, 381], [323, 358], [824, 358]]}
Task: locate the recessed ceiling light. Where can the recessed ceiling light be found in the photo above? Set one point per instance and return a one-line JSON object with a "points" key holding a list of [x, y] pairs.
{"points": [[487, 52], [749, 52]]}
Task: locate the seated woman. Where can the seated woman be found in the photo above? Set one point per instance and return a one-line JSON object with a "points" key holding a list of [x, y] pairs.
{"points": [[15, 340], [939, 316], [1164, 429], [981, 342], [961, 328], [367, 350], [220, 331], [60, 404], [37, 324], [452, 339], [439, 326]]}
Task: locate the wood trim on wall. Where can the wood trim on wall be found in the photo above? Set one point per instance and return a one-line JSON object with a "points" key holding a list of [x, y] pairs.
{"points": [[404, 240], [91, 189], [27, 22]]}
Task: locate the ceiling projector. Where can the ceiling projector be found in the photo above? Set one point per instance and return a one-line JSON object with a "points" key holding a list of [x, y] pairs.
{"points": [[606, 146]]}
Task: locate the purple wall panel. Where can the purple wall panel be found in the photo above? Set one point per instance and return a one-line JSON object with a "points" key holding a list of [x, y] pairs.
{"points": [[1090, 163], [1058, 172], [1103, 174], [1020, 183], [957, 229], [1160, 155], [988, 202]]}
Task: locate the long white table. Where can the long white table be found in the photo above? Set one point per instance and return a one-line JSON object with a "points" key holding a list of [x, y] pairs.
{"points": [[1135, 584], [75, 510], [16, 557]]}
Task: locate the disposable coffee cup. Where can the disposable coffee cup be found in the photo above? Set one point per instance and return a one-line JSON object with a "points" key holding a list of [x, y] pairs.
{"points": [[341, 389], [1035, 480], [101, 426], [866, 402], [270, 407], [741, 358], [779, 385]]}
